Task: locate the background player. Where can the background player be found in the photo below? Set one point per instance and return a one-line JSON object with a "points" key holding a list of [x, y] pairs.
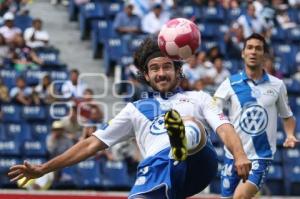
{"points": [[256, 98], [156, 122]]}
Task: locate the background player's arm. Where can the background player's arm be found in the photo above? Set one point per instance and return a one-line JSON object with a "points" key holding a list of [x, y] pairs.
{"points": [[80, 151], [289, 125]]}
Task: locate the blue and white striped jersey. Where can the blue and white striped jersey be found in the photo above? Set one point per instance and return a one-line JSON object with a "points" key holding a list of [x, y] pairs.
{"points": [[253, 109], [144, 120]]}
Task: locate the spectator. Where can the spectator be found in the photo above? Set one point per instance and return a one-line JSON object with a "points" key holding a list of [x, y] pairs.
{"points": [[269, 67], [35, 36], [23, 56], [57, 141], [8, 30], [73, 88], [44, 90], [154, 20], [191, 70], [71, 125], [4, 50], [127, 23], [234, 41], [283, 18], [4, 97], [22, 94], [250, 22]]}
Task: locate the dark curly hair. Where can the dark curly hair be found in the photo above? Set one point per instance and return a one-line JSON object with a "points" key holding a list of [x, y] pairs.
{"points": [[147, 50]]}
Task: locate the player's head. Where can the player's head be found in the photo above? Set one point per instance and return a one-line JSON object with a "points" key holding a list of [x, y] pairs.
{"points": [[255, 47], [160, 72]]}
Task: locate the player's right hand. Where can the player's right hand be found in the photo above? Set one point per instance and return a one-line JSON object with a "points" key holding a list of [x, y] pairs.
{"points": [[243, 167], [26, 170]]}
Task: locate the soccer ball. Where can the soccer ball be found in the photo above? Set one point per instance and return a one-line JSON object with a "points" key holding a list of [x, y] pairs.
{"points": [[179, 38]]}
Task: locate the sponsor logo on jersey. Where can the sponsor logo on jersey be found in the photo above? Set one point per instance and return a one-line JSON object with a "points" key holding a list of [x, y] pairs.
{"points": [[158, 126], [254, 120]]}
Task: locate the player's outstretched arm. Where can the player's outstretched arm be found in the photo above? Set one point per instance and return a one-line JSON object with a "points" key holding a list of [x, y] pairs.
{"points": [[289, 125], [233, 143], [80, 151]]}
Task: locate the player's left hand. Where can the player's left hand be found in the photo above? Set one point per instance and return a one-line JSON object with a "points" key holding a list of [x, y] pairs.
{"points": [[291, 141], [243, 167]]}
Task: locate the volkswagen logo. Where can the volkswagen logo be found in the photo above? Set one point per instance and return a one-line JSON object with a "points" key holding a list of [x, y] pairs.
{"points": [[254, 120], [158, 126]]}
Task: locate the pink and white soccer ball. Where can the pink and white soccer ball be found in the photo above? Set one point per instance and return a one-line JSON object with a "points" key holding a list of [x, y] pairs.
{"points": [[179, 38]]}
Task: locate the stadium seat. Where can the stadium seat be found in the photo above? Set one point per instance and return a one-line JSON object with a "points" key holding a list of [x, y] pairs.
{"points": [[9, 77], [5, 164], [50, 56], [40, 131], [291, 156], [34, 113], [10, 147], [11, 113], [17, 131], [233, 14], [280, 138], [213, 14], [294, 35], [59, 75], [33, 77], [88, 174], [87, 13], [112, 9], [292, 85], [274, 180], [73, 10], [191, 11], [34, 148], [23, 21], [278, 156], [278, 35], [233, 65], [66, 179], [58, 111], [114, 174], [292, 179]]}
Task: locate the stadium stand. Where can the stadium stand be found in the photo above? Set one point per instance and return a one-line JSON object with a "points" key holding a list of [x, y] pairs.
{"points": [[23, 129]]}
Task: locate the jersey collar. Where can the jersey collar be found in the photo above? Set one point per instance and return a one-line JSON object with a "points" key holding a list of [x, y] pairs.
{"points": [[265, 78]]}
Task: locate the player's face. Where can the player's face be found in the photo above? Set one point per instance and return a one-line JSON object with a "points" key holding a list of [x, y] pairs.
{"points": [[253, 54], [161, 74]]}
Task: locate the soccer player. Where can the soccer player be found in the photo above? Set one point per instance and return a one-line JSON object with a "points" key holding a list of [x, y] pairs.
{"points": [[178, 157], [255, 100]]}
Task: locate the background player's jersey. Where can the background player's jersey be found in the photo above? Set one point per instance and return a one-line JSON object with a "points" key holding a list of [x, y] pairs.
{"points": [[144, 120], [253, 109]]}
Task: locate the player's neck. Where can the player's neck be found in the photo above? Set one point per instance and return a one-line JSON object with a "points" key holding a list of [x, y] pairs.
{"points": [[254, 73]]}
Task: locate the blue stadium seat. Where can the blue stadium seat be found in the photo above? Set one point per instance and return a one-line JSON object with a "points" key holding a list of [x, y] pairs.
{"points": [[135, 42], [87, 13], [67, 178], [233, 14], [34, 148], [5, 164], [294, 35], [278, 35], [40, 131], [292, 85], [292, 179], [23, 21], [10, 147], [114, 174], [274, 180], [11, 113], [9, 77], [59, 75], [17, 131], [88, 174], [34, 113], [112, 9], [58, 111], [280, 138], [233, 65], [191, 11], [113, 50], [291, 156], [33, 77], [278, 156], [213, 14], [50, 56], [73, 10], [2, 132]]}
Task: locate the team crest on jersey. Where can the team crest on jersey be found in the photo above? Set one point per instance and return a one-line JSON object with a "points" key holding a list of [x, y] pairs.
{"points": [[158, 126], [254, 120]]}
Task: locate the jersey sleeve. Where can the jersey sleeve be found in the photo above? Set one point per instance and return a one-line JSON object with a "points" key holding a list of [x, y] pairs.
{"points": [[213, 114], [119, 128], [283, 107], [222, 93]]}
